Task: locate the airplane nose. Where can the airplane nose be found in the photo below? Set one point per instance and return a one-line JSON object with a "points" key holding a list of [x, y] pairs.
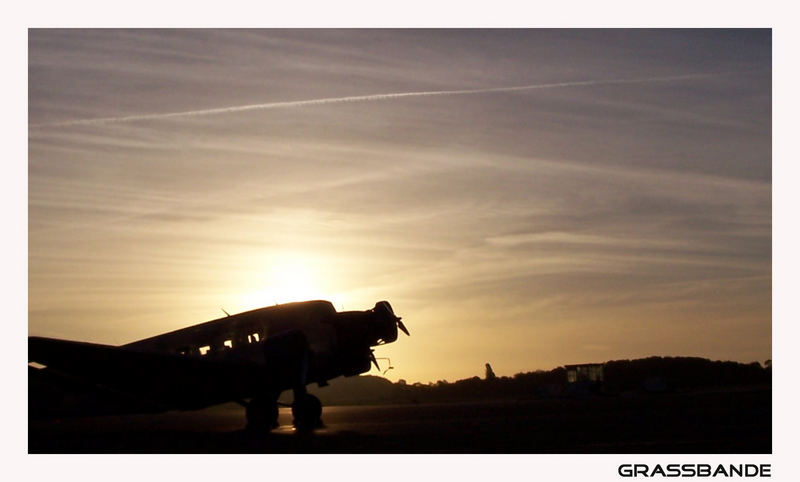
{"points": [[387, 309]]}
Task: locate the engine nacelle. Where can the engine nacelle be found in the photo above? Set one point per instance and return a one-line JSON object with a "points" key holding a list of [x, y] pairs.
{"points": [[356, 364]]}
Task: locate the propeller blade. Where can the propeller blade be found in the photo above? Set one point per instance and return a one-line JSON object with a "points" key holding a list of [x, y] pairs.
{"points": [[402, 327], [374, 360]]}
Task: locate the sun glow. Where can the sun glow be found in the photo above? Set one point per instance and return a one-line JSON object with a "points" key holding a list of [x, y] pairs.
{"points": [[283, 278]]}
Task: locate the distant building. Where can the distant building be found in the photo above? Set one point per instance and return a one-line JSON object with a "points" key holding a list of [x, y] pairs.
{"points": [[585, 378], [586, 372]]}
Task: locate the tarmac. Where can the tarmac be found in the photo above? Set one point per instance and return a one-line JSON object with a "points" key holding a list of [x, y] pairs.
{"points": [[732, 421]]}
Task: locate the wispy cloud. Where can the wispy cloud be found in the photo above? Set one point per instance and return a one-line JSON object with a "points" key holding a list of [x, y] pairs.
{"points": [[360, 98]]}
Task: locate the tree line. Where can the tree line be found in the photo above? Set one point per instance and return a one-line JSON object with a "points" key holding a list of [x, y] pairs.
{"points": [[639, 375]]}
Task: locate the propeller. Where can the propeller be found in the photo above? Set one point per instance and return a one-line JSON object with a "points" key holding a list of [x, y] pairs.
{"points": [[402, 326], [374, 360], [386, 306]]}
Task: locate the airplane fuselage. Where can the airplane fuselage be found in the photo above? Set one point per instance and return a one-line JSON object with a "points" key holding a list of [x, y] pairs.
{"points": [[255, 354]]}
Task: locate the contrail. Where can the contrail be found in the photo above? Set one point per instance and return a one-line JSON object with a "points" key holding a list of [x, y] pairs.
{"points": [[356, 98]]}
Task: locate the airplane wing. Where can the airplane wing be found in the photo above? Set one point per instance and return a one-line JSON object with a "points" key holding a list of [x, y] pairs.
{"points": [[144, 381]]}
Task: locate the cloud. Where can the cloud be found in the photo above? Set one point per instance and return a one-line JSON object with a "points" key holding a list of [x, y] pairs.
{"points": [[359, 98]]}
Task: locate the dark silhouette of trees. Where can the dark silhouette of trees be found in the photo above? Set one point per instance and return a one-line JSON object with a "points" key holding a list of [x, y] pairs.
{"points": [[653, 374], [682, 373]]}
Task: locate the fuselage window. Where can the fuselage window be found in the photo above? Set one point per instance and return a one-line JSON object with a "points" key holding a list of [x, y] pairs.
{"points": [[228, 343], [252, 338], [204, 349]]}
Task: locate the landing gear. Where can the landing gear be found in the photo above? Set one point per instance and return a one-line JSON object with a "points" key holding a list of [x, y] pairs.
{"points": [[262, 414], [307, 411]]}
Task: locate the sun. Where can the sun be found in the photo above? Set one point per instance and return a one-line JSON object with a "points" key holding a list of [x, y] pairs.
{"points": [[292, 280], [283, 278]]}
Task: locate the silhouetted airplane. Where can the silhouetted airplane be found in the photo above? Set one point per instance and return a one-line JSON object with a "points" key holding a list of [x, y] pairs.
{"points": [[249, 358]]}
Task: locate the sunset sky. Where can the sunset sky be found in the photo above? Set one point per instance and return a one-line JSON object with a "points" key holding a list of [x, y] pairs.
{"points": [[526, 198]]}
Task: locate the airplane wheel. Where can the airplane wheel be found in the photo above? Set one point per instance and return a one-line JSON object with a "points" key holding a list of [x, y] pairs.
{"points": [[307, 412], [261, 415]]}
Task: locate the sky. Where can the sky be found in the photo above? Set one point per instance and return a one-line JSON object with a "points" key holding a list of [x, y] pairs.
{"points": [[525, 198]]}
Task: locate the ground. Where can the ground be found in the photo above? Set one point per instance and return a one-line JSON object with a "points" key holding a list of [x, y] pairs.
{"points": [[721, 421]]}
